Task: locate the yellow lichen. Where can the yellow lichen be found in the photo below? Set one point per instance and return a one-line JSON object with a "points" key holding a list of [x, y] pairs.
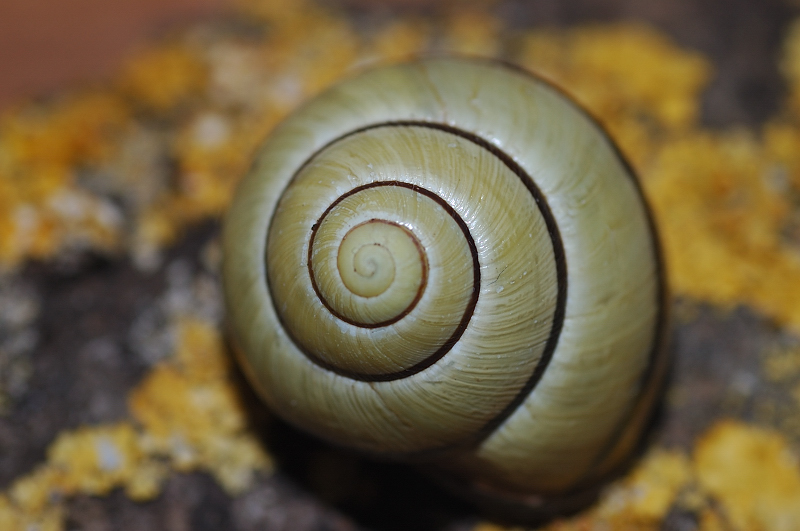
{"points": [[186, 417], [472, 32], [721, 218], [42, 208], [162, 78], [94, 460], [729, 190], [781, 364], [189, 411], [739, 478], [89, 460], [13, 518], [401, 40], [753, 474], [645, 495], [639, 501], [619, 70], [725, 202], [722, 200]]}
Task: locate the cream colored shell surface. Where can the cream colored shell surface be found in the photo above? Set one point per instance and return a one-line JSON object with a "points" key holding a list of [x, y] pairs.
{"points": [[530, 265]]}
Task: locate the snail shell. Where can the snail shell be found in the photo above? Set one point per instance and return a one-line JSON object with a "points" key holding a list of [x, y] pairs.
{"points": [[448, 261]]}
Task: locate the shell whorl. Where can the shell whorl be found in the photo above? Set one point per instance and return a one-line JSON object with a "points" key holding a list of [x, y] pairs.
{"points": [[404, 195], [448, 258]]}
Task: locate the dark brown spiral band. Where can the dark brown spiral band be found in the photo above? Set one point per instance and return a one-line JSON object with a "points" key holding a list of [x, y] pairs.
{"points": [[452, 213], [555, 238]]}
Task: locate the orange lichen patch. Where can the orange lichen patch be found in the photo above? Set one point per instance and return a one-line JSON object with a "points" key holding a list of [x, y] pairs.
{"points": [[78, 130], [399, 41], [14, 518], [722, 201], [646, 495], [638, 84], [155, 227], [721, 218], [200, 352], [730, 191], [190, 413], [781, 364], [187, 417], [725, 203], [68, 217], [472, 32], [164, 77], [213, 153], [87, 460], [309, 45], [621, 69], [740, 478], [42, 209], [94, 460], [326, 57], [90, 460], [213, 149], [781, 141], [753, 474], [641, 500]]}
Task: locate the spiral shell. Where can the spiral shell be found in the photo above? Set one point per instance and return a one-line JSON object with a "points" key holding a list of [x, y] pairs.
{"points": [[448, 261]]}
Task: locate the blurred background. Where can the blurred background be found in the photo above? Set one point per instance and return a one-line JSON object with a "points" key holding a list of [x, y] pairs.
{"points": [[45, 44], [124, 127]]}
